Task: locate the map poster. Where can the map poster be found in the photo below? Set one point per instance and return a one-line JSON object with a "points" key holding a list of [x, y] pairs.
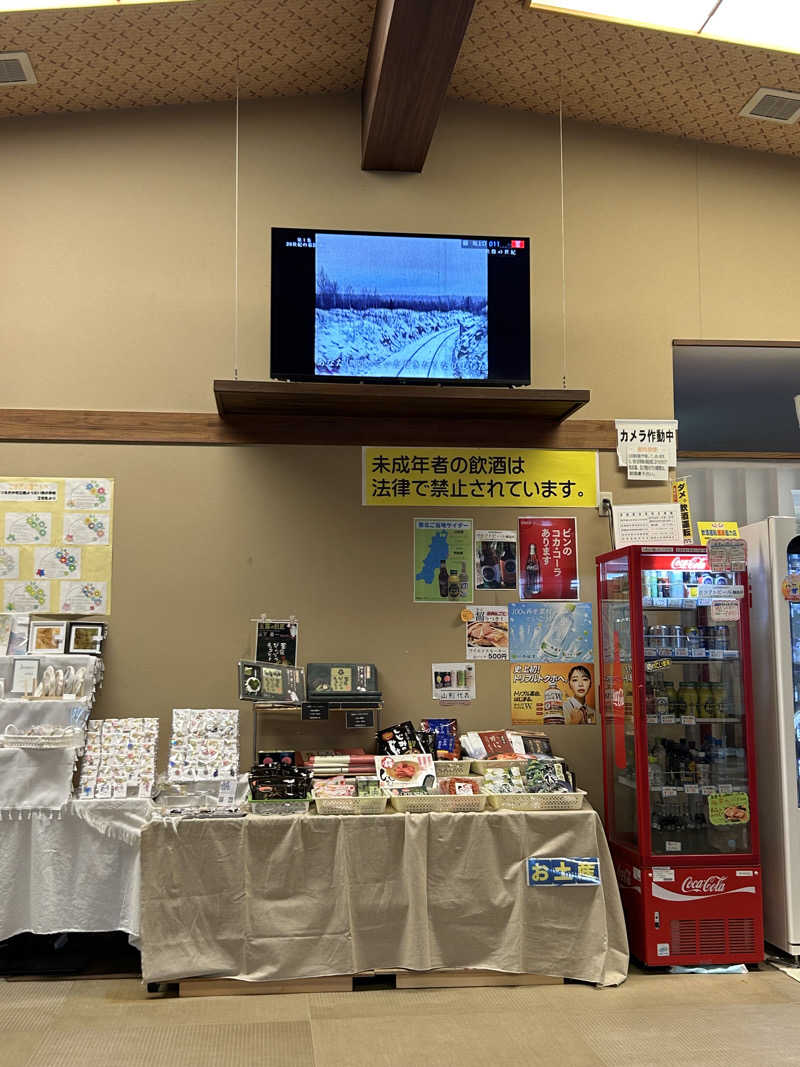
{"points": [[553, 694], [443, 561]]}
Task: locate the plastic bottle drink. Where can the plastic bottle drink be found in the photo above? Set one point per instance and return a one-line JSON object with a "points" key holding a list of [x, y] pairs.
{"points": [[691, 699], [672, 698], [661, 701], [555, 639], [718, 698]]}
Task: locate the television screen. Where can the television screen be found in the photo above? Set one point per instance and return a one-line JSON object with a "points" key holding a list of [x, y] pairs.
{"points": [[350, 306]]}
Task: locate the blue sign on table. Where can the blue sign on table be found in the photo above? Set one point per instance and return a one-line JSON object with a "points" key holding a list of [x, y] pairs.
{"points": [[583, 870]]}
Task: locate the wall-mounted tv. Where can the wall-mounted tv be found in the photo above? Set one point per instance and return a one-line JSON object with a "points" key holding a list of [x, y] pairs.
{"points": [[357, 306]]}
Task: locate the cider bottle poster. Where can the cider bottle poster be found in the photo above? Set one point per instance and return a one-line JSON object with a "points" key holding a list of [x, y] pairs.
{"points": [[547, 566], [443, 561]]}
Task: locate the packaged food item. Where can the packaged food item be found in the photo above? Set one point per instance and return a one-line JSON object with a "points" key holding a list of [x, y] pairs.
{"points": [[546, 775], [536, 744], [397, 740], [496, 743], [503, 780], [276, 782], [459, 786], [368, 786], [338, 786], [410, 772], [285, 759], [448, 745]]}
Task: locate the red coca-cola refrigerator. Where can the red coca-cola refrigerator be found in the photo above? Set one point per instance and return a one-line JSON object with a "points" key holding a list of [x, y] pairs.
{"points": [[679, 770]]}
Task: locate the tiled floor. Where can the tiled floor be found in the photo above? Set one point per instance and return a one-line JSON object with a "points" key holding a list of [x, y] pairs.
{"points": [[653, 1019]]}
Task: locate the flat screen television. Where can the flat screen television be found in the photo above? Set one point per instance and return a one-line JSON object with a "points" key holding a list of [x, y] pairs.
{"points": [[355, 306]]}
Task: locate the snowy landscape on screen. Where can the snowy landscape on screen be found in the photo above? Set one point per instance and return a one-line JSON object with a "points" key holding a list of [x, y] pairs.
{"points": [[400, 307]]}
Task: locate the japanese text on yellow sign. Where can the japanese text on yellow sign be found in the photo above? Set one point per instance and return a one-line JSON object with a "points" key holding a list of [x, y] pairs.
{"points": [[479, 477], [680, 495], [707, 530]]}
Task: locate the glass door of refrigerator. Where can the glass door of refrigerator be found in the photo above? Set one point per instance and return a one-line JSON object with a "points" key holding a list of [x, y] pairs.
{"points": [[793, 561], [617, 703], [695, 710]]}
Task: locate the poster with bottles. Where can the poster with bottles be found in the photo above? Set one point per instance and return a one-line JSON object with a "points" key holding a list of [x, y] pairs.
{"points": [[495, 559], [548, 559], [443, 561], [553, 694], [453, 682], [550, 632]]}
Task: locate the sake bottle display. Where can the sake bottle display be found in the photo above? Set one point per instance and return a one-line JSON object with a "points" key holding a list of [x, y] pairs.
{"points": [[533, 574], [444, 578]]}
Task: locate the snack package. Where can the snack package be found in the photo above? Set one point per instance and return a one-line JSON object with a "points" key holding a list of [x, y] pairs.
{"points": [[402, 774], [497, 743], [398, 740], [459, 786], [546, 775], [338, 786], [536, 744], [503, 780], [448, 745], [286, 759], [276, 782], [367, 786]]}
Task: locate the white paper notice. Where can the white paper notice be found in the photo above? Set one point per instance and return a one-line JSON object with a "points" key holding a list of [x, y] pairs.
{"points": [[9, 562], [648, 463], [647, 524], [88, 494], [60, 562], [83, 598], [632, 433], [28, 527], [86, 528], [26, 597]]}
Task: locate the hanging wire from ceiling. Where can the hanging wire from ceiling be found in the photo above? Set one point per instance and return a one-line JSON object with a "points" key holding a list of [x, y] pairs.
{"points": [[563, 250], [236, 233]]}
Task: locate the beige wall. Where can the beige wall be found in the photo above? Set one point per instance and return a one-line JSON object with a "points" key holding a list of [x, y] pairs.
{"points": [[118, 294]]}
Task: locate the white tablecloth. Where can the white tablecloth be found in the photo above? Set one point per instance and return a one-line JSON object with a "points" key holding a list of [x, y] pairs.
{"points": [[77, 870]]}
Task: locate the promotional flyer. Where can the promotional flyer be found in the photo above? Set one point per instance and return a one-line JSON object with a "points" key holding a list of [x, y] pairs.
{"points": [[552, 694], [487, 633], [550, 632], [443, 563], [453, 682], [548, 559]]}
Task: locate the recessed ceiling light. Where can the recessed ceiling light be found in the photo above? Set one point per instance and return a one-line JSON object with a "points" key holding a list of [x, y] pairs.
{"points": [[773, 24], [51, 5]]}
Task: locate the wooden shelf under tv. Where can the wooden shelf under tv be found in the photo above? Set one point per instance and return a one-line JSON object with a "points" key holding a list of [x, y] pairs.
{"points": [[348, 413]]}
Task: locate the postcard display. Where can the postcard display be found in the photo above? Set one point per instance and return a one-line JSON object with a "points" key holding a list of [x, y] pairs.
{"points": [[41, 736]]}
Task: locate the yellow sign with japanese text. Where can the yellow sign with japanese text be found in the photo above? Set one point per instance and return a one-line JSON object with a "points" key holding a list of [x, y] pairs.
{"points": [[707, 530], [479, 477], [680, 495]]}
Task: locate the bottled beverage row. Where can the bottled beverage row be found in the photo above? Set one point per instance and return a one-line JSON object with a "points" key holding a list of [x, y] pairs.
{"points": [[680, 585], [691, 700], [683, 765]]}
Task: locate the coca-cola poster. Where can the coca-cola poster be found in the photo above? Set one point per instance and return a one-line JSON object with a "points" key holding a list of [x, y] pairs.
{"points": [[548, 559], [550, 631]]}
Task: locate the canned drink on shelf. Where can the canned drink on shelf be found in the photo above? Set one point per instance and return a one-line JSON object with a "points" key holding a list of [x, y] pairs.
{"points": [[693, 638], [721, 637], [678, 637]]}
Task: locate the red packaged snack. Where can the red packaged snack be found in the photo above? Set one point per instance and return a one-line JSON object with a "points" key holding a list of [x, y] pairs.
{"points": [[497, 743], [458, 786]]}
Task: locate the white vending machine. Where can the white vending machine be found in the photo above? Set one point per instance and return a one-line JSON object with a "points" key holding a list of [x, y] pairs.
{"points": [[773, 547]]}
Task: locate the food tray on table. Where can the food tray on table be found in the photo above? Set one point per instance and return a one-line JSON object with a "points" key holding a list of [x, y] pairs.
{"points": [[538, 801], [350, 805], [281, 806], [452, 768], [481, 766], [423, 802]]}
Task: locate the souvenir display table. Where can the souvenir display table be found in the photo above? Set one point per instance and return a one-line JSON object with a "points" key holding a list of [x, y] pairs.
{"points": [[267, 898]]}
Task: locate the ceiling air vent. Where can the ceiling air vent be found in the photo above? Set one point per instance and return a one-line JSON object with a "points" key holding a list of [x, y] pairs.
{"points": [[16, 69], [773, 105]]}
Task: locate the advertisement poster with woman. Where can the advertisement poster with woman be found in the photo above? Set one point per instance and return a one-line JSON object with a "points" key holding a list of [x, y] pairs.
{"points": [[553, 694]]}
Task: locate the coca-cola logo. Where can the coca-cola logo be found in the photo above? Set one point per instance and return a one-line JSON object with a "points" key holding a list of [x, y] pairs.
{"points": [[715, 883], [689, 563]]}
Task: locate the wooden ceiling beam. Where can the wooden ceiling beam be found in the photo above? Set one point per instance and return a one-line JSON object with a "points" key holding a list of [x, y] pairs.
{"points": [[414, 47]]}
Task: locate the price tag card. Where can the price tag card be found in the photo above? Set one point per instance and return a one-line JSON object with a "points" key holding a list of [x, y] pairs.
{"points": [[314, 711], [691, 789], [688, 720], [226, 798], [724, 611], [698, 653], [726, 788], [668, 719], [716, 653], [669, 791], [359, 720], [673, 846], [708, 790]]}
